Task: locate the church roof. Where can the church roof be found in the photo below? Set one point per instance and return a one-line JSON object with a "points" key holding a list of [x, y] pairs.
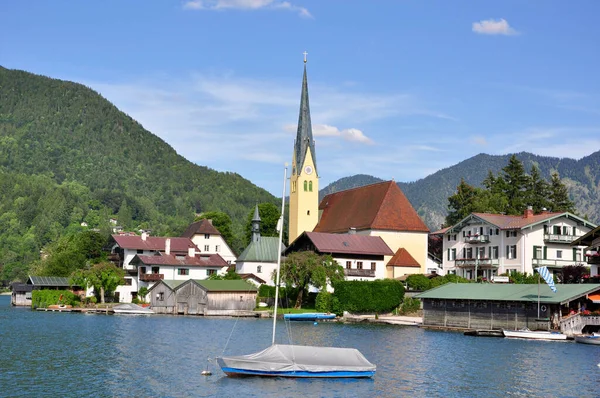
{"points": [[380, 206], [341, 244], [263, 250], [402, 258], [304, 136], [201, 227]]}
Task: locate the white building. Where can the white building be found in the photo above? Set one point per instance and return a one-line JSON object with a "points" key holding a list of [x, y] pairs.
{"points": [[124, 247], [209, 240], [484, 244], [592, 242]]}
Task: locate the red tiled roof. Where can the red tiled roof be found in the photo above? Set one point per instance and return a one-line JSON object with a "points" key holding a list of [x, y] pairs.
{"points": [[199, 260], [402, 258], [503, 221], [380, 206], [440, 231], [201, 227], [252, 276], [346, 243], [153, 243]]}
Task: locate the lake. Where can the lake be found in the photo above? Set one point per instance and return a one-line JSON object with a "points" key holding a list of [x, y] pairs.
{"points": [[74, 355]]}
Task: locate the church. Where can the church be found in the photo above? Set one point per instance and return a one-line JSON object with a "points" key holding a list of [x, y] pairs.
{"points": [[377, 210]]}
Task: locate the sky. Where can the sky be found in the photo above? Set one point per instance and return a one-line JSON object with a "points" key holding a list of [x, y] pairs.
{"points": [[398, 89]]}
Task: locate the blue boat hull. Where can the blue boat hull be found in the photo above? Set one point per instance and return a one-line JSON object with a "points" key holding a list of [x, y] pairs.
{"points": [[308, 316], [323, 375]]}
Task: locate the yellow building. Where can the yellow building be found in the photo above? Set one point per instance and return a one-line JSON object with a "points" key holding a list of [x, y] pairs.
{"points": [[304, 180]]}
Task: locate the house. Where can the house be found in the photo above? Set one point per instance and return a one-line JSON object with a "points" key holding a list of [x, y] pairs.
{"points": [[505, 306], [161, 265], [485, 244], [382, 210], [362, 256], [260, 256], [124, 247], [203, 297], [209, 240], [591, 241], [21, 292]]}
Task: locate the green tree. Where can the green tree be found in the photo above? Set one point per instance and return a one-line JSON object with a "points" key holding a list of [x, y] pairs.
{"points": [[462, 203], [559, 196], [516, 182], [418, 282], [104, 277], [229, 275], [301, 269], [537, 191]]}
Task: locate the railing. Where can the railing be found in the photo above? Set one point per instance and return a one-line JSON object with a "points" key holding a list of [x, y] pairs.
{"points": [[593, 260], [574, 324], [151, 277], [471, 262], [552, 263], [477, 239], [359, 272], [555, 238]]}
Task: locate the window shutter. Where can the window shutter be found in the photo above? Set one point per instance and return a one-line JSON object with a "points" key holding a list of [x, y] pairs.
{"points": [[448, 254], [506, 253], [507, 233], [545, 252], [574, 231], [535, 252], [574, 253]]}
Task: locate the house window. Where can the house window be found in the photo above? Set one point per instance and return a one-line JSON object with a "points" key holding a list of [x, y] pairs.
{"points": [[348, 264], [259, 269], [574, 231], [293, 186], [305, 186], [359, 265], [140, 251], [454, 237], [511, 252], [537, 252], [373, 266], [310, 186], [206, 247], [217, 248], [559, 254], [451, 254], [495, 250], [469, 252], [128, 282], [556, 230], [497, 231], [206, 236], [155, 270], [565, 230], [183, 271], [160, 296], [480, 253], [464, 233], [449, 236], [210, 272]]}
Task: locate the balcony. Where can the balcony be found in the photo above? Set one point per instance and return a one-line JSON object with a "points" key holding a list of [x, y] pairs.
{"points": [[554, 238], [477, 239], [151, 277], [538, 262], [359, 272], [593, 259], [480, 262]]}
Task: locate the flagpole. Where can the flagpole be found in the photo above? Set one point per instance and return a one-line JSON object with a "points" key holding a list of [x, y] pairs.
{"points": [[538, 294]]}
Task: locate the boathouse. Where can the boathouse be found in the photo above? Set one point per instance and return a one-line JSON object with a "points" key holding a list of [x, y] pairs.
{"points": [[203, 297], [21, 292], [508, 306]]}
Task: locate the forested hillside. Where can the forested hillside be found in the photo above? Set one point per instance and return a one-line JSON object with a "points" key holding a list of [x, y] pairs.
{"points": [[67, 155], [429, 196]]}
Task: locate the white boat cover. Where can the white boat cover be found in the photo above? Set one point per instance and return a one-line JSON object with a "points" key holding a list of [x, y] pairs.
{"points": [[130, 308], [295, 358]]}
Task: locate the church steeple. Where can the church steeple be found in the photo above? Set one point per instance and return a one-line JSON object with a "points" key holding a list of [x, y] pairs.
{"points": [[304, 136], [256, 225]]}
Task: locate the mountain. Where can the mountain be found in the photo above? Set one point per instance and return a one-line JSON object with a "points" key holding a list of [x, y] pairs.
{"points": [[429, 195], [76, 144]]}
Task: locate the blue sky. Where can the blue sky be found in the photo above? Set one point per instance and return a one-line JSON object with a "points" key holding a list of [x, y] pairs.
{"points": [[398, 89]]}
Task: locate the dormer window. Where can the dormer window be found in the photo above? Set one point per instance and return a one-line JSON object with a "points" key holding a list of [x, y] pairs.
{"points": [[206, 236]]}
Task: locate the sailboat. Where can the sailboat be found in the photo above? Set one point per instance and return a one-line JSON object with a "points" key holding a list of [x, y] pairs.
{"points": [[284, 360]]}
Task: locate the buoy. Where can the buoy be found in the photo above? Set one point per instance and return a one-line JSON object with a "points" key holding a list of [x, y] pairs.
{"points": [[206, 373], [315, 323]]}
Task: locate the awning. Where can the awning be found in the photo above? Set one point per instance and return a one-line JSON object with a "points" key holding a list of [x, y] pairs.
{"points": [[595, 298]]}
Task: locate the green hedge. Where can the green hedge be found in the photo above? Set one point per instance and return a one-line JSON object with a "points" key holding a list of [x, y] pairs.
{"points": [[324, 301], [362, 296], [44, 298]]}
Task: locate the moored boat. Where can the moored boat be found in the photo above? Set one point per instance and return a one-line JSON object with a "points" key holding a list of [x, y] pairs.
{"points": [[533, 334], [594, 339], [308, 316], [132, 309]]}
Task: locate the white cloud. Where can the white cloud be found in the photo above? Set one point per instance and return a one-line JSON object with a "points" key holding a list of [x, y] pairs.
{"points": [[479, 140], [245, 5], [352, 134], [494, 27]]}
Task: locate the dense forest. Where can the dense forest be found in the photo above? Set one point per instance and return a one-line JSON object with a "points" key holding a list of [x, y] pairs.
{"points": [[68, 156]]}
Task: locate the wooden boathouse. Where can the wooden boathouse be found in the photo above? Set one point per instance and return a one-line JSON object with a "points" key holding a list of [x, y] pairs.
{"points": [[489, 306]]}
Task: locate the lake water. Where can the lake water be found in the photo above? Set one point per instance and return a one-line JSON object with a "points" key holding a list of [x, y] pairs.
{"points": [[75, 355]]}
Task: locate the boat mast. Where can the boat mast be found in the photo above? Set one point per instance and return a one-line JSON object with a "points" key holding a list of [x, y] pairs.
{"points": [[538, 294], [280, 227]]}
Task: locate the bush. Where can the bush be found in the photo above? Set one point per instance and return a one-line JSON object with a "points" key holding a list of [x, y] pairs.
{"points": [[91, 299], [409, 306], [44, 298], [367, 296], [418, 282], [135, 300], [324, 301]]}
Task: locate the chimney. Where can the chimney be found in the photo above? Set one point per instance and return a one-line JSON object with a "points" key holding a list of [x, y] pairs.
{"points": [[168, 246], [210, 221], [352, 231], [528, 212], [191, 252], [144, 236], [545, 211]]}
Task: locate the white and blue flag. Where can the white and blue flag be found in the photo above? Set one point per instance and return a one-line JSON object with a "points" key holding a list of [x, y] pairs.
{"points": [[544, 273]]}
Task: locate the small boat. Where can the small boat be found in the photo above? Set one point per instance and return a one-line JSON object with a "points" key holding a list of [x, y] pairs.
{"points": [[533, 334], [308, 316], [132, 309], [593, 339]]}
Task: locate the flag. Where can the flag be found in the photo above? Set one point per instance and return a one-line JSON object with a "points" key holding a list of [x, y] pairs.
{"points": [[544, 273]]}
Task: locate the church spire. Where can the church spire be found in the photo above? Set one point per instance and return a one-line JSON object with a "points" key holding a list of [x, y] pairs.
{"points": [[256, 225], [304, 136]]}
